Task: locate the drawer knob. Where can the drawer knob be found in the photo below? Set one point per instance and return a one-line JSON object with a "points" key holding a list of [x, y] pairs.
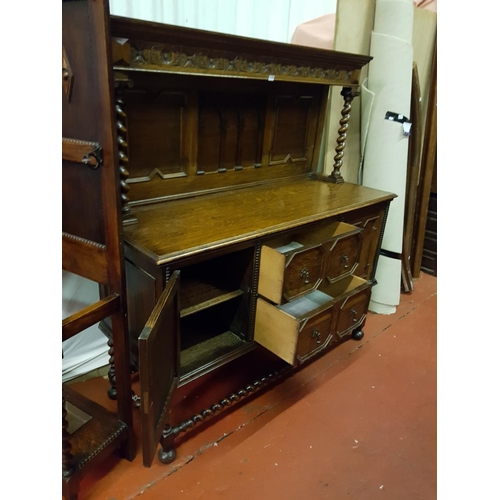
{"points": [[345, 260], [354, 313], [317, 335], [305, 275]]}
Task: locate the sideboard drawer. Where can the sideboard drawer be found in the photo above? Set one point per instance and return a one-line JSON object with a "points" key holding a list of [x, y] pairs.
{"points": [[296, 330], [289, 271], [343, 256], [315, 335], [352, 297], [293, 267]]}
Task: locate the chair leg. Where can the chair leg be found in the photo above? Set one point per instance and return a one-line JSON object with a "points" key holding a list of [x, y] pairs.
{"points": [[67, 456], [70, 487], [70, 480]]}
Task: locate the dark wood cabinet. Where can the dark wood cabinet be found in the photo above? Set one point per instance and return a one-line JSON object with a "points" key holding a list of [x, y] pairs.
{"points": [[232, 237]]}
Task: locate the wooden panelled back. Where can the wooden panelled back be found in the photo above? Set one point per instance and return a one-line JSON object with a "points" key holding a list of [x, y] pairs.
{"points": [[191, 134], [205, 111]]}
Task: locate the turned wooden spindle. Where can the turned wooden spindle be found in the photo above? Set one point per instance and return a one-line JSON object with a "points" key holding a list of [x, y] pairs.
{"points": [[348, 96], [121, 123], [67, 456], [123, 82], [167, 453], [111, 371]]}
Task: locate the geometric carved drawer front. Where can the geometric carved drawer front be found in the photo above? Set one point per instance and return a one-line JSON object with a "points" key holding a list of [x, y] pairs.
{"points": [[315, 335], [289, 271], [371, 233], [343, 257], [303, 272], [351, 308], [296, 330]]}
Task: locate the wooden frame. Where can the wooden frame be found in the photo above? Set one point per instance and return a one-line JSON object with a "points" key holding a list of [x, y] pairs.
{"points": [[92, 223], [426, 172]]}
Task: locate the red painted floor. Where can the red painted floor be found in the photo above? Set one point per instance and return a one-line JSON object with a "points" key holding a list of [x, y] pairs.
{"points": [[358, 423]]}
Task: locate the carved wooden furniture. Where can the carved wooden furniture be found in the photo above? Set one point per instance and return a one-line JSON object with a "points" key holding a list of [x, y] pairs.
{"points": [[233, 240], [221, 137]]}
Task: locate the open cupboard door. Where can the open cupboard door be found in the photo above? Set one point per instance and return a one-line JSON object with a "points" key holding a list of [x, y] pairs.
{"points": [[159, 365]]}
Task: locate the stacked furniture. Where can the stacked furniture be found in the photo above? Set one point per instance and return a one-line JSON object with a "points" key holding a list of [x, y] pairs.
{"points": [[232, 237]]}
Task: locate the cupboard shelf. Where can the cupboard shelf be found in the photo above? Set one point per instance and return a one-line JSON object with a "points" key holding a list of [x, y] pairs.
{"points": [[210, 354], [210, 303]]}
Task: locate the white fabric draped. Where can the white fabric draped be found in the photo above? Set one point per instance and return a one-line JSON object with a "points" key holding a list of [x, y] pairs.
{"points": [[388, 88], [88, 350]]}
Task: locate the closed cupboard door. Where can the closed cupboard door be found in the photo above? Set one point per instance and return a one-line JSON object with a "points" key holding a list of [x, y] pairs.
{"points": [[159, 366]]}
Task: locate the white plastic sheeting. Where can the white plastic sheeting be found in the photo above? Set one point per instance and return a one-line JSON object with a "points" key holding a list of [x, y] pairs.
{"points": [[385, 152], [88, 350]]}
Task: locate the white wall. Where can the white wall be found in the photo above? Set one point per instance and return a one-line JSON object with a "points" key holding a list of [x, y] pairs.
{"points": [[273, 20]]}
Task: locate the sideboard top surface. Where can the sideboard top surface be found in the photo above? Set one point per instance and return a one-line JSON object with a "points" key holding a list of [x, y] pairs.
{"points": [[182, 228]]}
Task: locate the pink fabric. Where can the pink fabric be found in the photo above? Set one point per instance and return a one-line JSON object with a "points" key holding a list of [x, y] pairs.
{"points": [[318, 32], [426, 4]]}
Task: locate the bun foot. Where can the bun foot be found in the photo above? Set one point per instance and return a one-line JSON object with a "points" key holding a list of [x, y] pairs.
{"points": [[357, 334], [166, 457], [112, 393]]}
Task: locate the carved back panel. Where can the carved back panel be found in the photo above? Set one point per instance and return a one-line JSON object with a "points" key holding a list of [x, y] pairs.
{"points": [[188, 135], [223, 111]]}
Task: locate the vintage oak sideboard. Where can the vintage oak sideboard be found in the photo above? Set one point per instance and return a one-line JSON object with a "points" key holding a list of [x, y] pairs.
{"points": [[233, 239]]}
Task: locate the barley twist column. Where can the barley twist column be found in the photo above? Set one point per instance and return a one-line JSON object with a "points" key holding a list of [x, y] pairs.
{"points": [[111, 371], [123, 82], [348, 95]]}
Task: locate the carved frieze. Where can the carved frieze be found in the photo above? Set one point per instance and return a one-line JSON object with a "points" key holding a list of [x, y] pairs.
{"points": [[179, 59]]}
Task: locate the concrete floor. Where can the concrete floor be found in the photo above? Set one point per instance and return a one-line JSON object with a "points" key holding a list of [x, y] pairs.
{"points": [[358, 423]]}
